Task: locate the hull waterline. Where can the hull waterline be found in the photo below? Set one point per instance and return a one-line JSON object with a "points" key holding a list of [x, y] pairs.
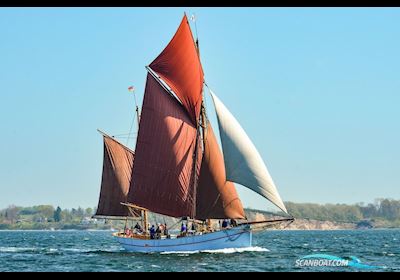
{"points": [[238, 237]]}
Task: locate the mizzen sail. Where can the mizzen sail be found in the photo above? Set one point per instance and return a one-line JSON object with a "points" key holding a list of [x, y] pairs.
{"points": [[116, 179], [163, 175], [216, 198], [243, 163], [179, 66]]}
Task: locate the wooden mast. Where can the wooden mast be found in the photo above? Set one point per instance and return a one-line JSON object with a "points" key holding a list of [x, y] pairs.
{"points": [[201, 119], [203, 115], [143, 211]]}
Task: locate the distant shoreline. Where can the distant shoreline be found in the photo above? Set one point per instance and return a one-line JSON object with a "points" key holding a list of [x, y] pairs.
{"points": [[382, 214]]}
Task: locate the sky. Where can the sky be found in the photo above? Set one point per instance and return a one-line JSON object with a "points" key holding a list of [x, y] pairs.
{"points": [[316, 89]]}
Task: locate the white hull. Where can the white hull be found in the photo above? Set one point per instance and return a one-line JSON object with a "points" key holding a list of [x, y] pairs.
{"points": [[238, 237]]}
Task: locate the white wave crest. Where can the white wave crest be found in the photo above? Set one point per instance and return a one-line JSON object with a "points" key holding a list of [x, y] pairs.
{"points": [[237, 250], [220, 251], [16, 249]]}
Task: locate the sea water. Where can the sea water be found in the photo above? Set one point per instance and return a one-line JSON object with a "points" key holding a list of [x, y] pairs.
{"points": [[271, 251]]}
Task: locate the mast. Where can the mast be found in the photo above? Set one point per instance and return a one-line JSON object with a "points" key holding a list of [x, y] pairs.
{"points": [[194, 171], [137, 113], [195, 183], [203, 128]]}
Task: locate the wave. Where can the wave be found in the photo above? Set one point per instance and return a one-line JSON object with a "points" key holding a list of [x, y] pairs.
{"points": [[78, 250], [237, 250], [220, 251], [16, 249], [49, 250]]}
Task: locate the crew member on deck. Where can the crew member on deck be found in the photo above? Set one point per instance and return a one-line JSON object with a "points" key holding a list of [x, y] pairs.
{"points": [[158, 232], [183, 229], [138, 228], [166, 233], [152, 232]]}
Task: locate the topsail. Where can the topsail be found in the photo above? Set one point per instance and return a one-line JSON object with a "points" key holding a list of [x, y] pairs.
{"points": [[178, 65]]}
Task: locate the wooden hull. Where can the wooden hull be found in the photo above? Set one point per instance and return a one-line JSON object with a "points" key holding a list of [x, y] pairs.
{"points": [[238, 237]]}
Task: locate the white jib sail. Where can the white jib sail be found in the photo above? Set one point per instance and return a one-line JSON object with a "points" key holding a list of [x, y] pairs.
{"points": [[243, 163]]}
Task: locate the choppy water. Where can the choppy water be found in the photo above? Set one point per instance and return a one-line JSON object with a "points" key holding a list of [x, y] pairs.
{"points": [[272, 251]]}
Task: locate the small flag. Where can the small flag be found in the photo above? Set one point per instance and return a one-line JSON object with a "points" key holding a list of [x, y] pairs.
{"points": [[192, 18], [131, 89]]}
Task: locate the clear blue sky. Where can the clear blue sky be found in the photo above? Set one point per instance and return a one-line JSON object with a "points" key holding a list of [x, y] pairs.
{"points": [[317, 90]]}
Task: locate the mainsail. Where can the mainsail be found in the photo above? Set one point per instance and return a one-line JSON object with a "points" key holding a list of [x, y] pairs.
{"points": [[116, 179], [179, 66], [168, 150], [163, 175], [216, 197], [243, 163]]}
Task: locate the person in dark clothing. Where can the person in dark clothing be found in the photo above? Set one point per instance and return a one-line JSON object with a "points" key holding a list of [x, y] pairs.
{"points": [[233, 223], [152, 232], [158, 232], [224, 224], [138, 227], [183, 229], [166, 233]]}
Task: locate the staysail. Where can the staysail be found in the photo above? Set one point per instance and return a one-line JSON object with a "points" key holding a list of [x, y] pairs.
{"points": [[216, 197], [116, 179], [163, 179], [243, 163], [179, 66]]}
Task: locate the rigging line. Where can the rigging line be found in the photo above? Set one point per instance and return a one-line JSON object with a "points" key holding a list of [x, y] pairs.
{"points": [[133, 120], [180, 220], [130, 130], [112, 138], [122, 134], [289, 223], [124, 137]]}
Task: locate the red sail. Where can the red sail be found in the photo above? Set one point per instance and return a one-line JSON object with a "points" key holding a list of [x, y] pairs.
{"points": [[216, 197], [116, 179], [180, 67], [163, 176]]}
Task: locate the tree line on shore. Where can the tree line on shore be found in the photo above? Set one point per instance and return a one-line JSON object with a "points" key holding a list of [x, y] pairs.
{"points": [[385, 211]]}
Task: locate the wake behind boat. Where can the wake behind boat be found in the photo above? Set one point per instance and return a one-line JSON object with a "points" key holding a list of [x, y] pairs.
{"points": [[177, 168]]}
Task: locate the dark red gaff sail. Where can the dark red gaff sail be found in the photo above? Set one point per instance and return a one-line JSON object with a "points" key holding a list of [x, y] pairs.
{"points": [[116, 179], [216, 197], [163, 175], [180, 67]]}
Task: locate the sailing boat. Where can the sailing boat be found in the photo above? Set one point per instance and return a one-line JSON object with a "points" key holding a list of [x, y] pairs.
{"points": [[177, 168]]}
